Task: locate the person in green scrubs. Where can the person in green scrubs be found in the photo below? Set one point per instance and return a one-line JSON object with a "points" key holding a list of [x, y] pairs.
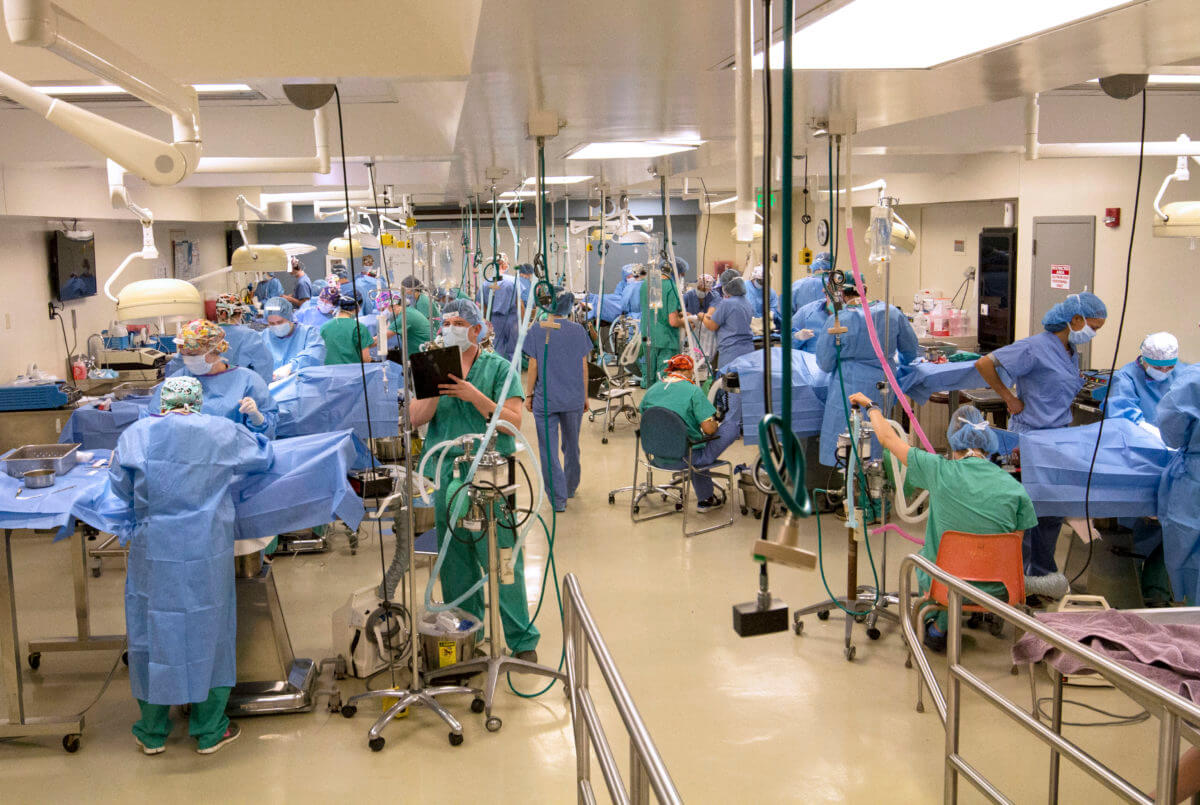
{"points": [[347, 340], [417, 325], [419, 298], [660, 326], [465, 406], [967, 492]]}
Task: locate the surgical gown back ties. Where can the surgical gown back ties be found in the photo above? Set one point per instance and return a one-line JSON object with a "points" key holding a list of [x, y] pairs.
{"points": [[505, 321], [1179, 490], [466, 555], [180, 608], [559, 398], [1134, 396], [971, 495], [861, 369], [300, 349], [246, 349], [223, 394], [313, 317], [806, 290], [656, 326], [734, 336]]}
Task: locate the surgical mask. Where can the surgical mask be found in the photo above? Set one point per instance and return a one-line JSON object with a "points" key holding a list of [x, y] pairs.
{"points": [[1157, 374], [281, 330], [456, 336], [325, 307], [197, 364], [1081, 336]]}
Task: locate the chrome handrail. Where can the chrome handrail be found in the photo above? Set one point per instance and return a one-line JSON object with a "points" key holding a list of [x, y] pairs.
{"points": [[646, 768], [1172, 709]]}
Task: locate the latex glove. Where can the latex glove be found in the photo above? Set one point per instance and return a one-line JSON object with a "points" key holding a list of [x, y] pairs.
{"points": [[281, 373], [1086, 529], [250, 408], [1151, 429], [805, 334]]}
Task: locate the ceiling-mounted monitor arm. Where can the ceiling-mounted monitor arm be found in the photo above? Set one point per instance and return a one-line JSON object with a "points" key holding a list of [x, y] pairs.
{"points": [[120, 198]]}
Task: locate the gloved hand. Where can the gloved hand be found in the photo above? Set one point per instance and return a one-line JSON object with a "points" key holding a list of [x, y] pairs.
{"points": [[250, 408], [280, 373], [805, 334], [1151, 429]]}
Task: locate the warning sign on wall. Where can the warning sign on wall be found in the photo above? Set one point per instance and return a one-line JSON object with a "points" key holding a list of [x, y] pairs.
{"points": [[1060, 277]]}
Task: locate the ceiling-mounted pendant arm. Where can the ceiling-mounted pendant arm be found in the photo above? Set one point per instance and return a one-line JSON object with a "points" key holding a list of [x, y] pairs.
{"points": [[319, 163], [149, 250]]}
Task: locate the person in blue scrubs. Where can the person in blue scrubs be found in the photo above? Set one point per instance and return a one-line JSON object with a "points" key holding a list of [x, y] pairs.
{"points": [[1134, 394], [860, 367], [246, 347], [1179, 490], [231, 392], [525, 282], [811, 288], [631, 297], [266, 288], [303, 291], [558, 349], [362, 286], [1045, 368], [730, 320], [500, 298], [754, 292], [319, 314], [699, 299], [292, 346], [175, 469]]}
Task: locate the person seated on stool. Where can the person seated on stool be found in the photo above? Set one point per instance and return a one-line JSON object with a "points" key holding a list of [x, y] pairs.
{"points": [[678, 392], [967, 492]]}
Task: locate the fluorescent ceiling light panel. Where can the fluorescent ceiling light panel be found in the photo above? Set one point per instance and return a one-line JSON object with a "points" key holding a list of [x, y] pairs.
{"points": [[641, 149], [1165, 79], [112, 89], [558, 179], [723, 202], [918, 34]]}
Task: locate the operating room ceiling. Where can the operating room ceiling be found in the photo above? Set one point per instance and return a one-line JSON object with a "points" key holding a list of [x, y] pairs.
{"points": [[436, 93]]}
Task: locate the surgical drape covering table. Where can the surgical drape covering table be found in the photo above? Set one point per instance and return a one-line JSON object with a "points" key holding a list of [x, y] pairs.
{"points": [[321, 399]]}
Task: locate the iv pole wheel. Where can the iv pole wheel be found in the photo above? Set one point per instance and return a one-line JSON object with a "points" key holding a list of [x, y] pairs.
{"points": [[493, 724], [456, 739], [477, 705], [125, 658], [823, 614], [71, 742], [798, 628], [849, 653], [873, 633], [376, 744], [35, 660], [349, 710], [612, 499]]}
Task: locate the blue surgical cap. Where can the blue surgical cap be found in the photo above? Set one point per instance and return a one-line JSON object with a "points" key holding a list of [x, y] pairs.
{"points": [[735, 287], [564, 303], [628, 269], [968, 430], [349, 301], [681, 266], [525, 268], [318, 286], [1085, 304], [278, 306], [466, 309], [822, 262]]}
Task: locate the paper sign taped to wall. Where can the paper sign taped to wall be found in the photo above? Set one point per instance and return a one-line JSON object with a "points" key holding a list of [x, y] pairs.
{"points": [[1060, 277]]}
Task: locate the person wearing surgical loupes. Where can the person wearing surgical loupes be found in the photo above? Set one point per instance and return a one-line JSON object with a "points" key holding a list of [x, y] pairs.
{"points": [[465, 406], [660, 327], [730, 320], [321, 313], [417, 297], [231, 392], [755, 291], [1045, 368], [501, 297], [631, 296], [811, 288], [175, 469], [697, 302], [860, 366], [967, 492], [292, 346], [558, 350], [245, 343]]}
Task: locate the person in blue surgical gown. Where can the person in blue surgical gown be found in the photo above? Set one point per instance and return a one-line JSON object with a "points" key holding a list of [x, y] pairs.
{"points": [[1179, 490], [860, 367], [246, 347], [809, 322], [322, 312], [230, 392], [755, 291], [292, 346], [500, 298], [730, 320], [175, 469], [266, 288], [810, 288], [558, 350], [1045, 368]]}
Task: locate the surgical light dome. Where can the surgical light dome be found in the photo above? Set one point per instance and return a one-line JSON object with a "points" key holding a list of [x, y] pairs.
{"points": [[155, 299], [260, 258], [345, 248], [1183, 220]]}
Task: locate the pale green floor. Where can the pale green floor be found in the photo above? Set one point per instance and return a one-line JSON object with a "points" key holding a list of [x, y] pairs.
{"points": [[774, 718]]}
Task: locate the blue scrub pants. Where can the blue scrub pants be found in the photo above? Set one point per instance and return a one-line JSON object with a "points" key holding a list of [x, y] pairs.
{"points": [[1039, 544], [727, 433], [560, 473]]}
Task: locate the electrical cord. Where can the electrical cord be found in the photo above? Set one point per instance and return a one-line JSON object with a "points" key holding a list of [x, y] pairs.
{"points": [[1137, 197], [1118, 720], [707, 226]]}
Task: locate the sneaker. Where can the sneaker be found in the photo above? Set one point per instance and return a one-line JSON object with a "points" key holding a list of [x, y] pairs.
{"points": [[232, 733], [935, 638], [149, 750], [709, 503], [528, 656]]}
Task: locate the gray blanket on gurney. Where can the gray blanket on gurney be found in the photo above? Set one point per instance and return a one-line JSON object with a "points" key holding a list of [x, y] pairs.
{"points": [[1167, 654]]}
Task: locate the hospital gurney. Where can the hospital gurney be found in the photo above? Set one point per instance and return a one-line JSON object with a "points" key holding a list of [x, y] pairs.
{"points": [[1177, 715]]}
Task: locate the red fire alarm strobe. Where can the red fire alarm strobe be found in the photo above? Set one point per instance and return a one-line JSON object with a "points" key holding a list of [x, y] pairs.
{"points": [[1112, 217]]}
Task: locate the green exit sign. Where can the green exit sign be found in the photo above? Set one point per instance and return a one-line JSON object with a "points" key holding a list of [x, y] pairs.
{"points": [[774, 200]]}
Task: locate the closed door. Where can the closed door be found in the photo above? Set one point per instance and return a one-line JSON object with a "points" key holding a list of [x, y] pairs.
{"points": [[1064, 255]]}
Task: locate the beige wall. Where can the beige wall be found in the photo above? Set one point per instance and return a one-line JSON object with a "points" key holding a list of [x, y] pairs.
{"points": [[27, 333]]}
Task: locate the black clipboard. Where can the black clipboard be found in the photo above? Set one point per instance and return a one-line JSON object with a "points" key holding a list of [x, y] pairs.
{"points": [[433, 368]]}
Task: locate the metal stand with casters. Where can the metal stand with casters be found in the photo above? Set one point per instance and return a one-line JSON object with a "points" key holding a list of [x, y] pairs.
{"points": [[272, 680], [16, 724], [484, 497], [301, 542]]}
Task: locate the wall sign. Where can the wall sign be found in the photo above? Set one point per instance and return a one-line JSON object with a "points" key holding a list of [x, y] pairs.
{"points": [[1060, 277]]}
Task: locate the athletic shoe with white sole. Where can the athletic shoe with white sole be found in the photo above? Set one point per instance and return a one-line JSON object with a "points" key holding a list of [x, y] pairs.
{"points": [[232, 733]]}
